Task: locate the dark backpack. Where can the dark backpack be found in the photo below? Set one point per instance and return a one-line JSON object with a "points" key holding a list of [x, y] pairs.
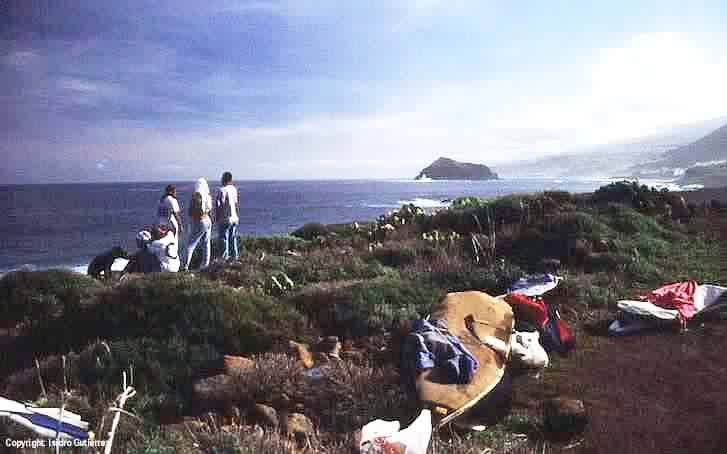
{"points": [[556, 335], [195, 207]]}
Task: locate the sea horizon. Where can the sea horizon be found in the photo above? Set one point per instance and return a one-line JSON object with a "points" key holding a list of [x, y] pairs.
{"points": [[86, 223]]}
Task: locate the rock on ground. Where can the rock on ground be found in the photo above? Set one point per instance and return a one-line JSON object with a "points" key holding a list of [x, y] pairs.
{"points": [[298, 425], [562, 415]]}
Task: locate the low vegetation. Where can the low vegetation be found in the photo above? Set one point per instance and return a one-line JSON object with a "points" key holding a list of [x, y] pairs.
{"points": [[358, 282]]}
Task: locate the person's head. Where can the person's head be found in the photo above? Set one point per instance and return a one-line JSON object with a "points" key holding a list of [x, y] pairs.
{"points": [[159, 232], [226, 178], [170, 190], [201, 186]]}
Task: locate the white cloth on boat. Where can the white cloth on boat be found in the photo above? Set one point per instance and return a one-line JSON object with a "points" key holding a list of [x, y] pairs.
{"points": [[647, 310], [643, 315], [535, 285], [707, 296]]}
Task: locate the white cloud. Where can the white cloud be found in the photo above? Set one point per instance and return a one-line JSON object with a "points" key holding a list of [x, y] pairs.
{"points": [[646, 84]]}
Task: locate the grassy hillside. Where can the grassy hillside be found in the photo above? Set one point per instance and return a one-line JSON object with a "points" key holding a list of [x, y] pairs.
{"points": [[360, 283]]}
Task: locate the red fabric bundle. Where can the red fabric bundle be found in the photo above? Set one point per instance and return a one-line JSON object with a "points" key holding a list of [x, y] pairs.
{"points": [[679, 296], [528, 309]]}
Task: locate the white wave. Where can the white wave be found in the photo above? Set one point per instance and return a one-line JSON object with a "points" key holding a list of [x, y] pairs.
{"points": [[424, 203], [381, 205], [118, 265], [709, 163]]}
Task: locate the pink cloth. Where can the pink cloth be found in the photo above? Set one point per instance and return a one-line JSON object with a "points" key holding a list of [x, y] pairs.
{"points": [[679, 296]]}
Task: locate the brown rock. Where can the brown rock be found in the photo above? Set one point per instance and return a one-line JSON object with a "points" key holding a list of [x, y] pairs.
{"points": [[329, 345], [601, 246], [216, 390], [352, 355], [563, 415], [266, 416], [303, 353], [298, 425], [236, 364]]}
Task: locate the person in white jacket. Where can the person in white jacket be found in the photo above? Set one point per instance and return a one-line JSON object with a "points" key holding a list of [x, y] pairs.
{"points": [[226, 208], [200, 224]]}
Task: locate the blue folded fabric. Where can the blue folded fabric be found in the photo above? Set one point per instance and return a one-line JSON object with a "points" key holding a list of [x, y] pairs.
{"points": [[54, 424], [430, 345]]}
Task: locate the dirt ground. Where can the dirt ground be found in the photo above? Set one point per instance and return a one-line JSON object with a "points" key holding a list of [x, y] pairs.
{"points": [[662, 392]]}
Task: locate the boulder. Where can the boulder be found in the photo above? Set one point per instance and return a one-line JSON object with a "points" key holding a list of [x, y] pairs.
{"points": [[298, 425], [236, 364], [601, 246], [265, 415], [215, 391], [302, 352], [330, 346], [563, 415]]}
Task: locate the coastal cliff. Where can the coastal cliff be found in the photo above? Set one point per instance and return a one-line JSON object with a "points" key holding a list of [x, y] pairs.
{"points": [[449, 169]]}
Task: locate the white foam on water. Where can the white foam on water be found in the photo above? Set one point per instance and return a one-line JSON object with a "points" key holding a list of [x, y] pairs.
{"points": [[424, 203]]}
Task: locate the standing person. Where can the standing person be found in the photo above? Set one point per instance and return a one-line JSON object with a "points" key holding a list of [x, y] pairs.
{"points": [[226, 206], [168, 211], [200, 223]]}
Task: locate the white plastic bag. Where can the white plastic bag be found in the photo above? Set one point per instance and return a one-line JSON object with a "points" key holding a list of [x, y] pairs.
{"points": [[526, 349], [384, 437]]}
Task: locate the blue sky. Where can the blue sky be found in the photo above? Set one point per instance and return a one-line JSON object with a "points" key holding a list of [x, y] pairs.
{"points": [[173, 90]]}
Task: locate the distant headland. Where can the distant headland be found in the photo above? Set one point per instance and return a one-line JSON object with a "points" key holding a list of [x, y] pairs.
{"points": [[449, 169]]}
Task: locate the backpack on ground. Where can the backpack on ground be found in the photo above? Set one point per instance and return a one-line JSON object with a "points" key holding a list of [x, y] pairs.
{"points": [[557, 337]]}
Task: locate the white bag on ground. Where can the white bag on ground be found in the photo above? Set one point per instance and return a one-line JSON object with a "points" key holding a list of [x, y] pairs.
{"points": [[527, 351], [385, 437]]}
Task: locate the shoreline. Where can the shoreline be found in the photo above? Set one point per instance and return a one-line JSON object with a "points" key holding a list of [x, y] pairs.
{"points": [[696, 196]]}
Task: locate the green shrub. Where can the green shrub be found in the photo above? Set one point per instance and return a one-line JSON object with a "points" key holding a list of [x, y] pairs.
{"points": [[628, 193], [395, 255], [470, 202], [310, 231], [606, 261], [166, 305], [580, 224], [38, 296], [273, 244], [163, 372], [360, 308], [631, 222], [321, 265]]}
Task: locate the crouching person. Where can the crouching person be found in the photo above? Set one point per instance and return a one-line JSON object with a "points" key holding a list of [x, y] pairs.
{"points": [[158, 251], [166, 249], [144, 260], [100, 266]]}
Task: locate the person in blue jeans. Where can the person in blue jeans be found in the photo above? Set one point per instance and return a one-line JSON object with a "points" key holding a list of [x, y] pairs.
{"points": [[226, 208], [200, 224]]}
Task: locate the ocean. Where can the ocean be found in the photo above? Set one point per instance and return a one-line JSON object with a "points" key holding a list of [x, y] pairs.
{"points": [[66, 225]]}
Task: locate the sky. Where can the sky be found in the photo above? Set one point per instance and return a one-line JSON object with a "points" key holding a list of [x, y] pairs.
{"points": [[295, 89]]}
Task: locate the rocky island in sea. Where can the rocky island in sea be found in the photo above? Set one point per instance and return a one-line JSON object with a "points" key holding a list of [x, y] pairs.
{"points": [[449, 169]]}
